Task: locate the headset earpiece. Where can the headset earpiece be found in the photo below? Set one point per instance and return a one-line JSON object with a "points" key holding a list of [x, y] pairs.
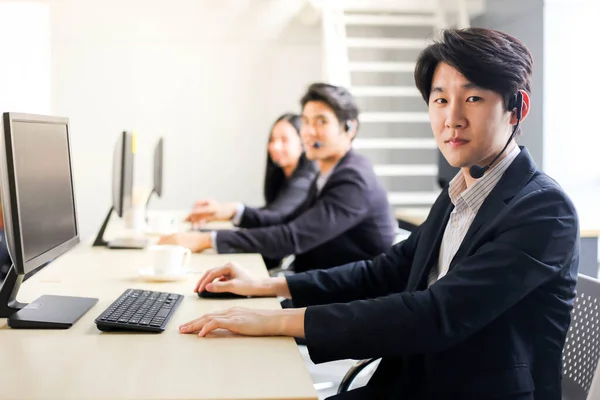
{"points": [[348, 126], [516, 104]]}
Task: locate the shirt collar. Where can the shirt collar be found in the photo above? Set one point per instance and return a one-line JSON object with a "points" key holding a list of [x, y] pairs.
{"points": [[475, 195], [323, 178]]}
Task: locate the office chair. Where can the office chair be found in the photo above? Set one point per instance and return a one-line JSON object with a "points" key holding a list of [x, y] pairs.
{"points": [[582, 348], [353, 372], [285, 267], [581, 352]]}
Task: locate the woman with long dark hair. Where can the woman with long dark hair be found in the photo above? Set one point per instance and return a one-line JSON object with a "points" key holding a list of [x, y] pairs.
{"points": [[289, 176], [289, 173]]}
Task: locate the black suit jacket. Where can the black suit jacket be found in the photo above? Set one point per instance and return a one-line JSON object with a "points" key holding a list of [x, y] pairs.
{"points": [[292, 193], [349, 220], [493, 328]]}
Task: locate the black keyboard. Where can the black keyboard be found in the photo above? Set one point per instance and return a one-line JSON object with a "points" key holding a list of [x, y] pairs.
{"points": [[139, 310]]}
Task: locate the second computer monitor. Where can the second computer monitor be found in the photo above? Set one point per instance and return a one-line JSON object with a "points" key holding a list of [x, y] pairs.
{"points": [[122, 180], [158, 167], [157, 171]]}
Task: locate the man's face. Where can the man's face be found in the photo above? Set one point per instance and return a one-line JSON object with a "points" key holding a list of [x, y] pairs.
{"points": [[320, 124], [470, 124]]}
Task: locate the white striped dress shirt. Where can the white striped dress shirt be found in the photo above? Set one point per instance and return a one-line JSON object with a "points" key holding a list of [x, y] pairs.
{"points": [[467, 202]]}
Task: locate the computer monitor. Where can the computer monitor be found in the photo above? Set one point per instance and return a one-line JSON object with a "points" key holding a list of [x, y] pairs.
{"points": [[157, 170], [122, 189], [40, 217], [122, 180]]}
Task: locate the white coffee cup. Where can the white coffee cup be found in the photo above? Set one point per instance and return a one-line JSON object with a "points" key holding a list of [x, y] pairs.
{"points": [[169, 259], [161, 223]]}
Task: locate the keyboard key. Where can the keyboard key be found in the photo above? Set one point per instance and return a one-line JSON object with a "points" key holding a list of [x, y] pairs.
{"points": [[163, 313]]}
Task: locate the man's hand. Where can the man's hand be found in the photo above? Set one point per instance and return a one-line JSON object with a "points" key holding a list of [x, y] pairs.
{"points": [[211, 210], [228, 278], [195, 241], [250, 322], [235, 279]]}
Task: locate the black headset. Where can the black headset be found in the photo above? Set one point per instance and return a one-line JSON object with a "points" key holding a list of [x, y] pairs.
{"points": [[515, 104], [348, 125]]}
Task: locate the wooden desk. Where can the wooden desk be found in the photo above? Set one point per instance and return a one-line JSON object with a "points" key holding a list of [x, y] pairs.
{"points": [[84, 363]]}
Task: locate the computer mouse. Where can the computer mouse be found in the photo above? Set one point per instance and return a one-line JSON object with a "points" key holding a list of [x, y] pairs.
{"points": [[220, 295]]}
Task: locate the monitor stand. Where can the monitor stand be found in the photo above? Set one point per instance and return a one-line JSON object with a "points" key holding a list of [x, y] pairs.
{"points": [[118, 243], [148, 201], [99, 241], [128, 243], [46, 312]]}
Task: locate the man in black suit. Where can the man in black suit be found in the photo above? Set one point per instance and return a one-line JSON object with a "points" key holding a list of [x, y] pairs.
{"points": [[346, 216], [475, 304]]}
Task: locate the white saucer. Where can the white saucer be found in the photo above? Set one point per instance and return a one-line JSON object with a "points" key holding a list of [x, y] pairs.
{"points": [[147, 273]]}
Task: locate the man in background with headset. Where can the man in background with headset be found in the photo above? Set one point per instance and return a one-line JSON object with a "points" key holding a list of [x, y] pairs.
{"points": [[346, 216], [475, 304]]}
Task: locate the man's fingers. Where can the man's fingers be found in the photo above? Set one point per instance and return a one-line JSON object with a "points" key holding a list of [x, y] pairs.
{"points": [[201, 203], [211, 275], [215, 323], [194, 325], [219, 286]]}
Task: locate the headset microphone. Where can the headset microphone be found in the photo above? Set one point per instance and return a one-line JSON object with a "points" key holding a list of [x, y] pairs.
{"points": [[516, 102], [348, 125]]}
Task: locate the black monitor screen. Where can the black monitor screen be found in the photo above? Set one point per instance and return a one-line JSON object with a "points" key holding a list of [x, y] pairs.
{"points": [[122, 180], [44, 186], [117, 185], [158, 167]]}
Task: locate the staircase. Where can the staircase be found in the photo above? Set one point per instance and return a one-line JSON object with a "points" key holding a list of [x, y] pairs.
{"points": [[371, 47]]}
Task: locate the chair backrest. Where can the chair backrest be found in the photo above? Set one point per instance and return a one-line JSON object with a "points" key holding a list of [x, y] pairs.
{"points": [[582, 348]]}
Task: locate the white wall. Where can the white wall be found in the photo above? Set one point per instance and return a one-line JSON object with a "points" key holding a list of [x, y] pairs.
{"points": [[25, 60], [572, 141], [210, 76]]}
